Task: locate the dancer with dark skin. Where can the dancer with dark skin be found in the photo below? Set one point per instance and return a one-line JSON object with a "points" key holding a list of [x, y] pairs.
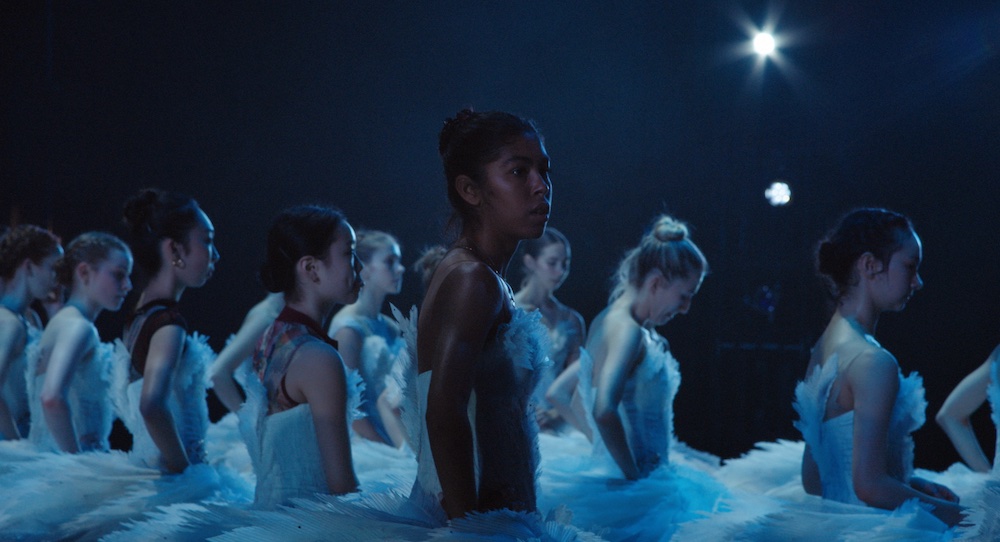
{"points": [[497, 172], [173, 242]]}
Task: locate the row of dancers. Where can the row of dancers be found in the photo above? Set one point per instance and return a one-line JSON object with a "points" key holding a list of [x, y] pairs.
{"points": [[489, 414]]}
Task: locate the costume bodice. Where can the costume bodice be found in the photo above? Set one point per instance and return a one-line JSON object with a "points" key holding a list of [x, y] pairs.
{"points": [[503, 426], [562, 337], [831, 441], [87, 396], [647, 404], [281, 437], [185, 401]]}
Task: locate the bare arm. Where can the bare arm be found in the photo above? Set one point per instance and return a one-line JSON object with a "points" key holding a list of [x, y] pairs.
{"points": [[579, 338], [75, 341], [388, 410], [563, 397], [240, 348], [349, 345], [953, 417], [453, 329], [561, 394], [624, 343], [316, 376], [810, 474], [12, 339], [875, 383], [165, 350]]}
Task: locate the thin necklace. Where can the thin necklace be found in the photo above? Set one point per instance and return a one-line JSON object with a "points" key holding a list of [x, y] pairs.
{"points": [[493, 267], [489, 262]]}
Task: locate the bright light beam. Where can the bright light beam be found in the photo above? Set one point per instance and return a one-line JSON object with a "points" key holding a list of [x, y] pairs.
{"points": [[763, 44]]}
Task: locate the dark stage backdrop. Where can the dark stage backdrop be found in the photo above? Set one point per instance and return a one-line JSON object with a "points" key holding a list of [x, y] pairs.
{"points": [[251, 107]]}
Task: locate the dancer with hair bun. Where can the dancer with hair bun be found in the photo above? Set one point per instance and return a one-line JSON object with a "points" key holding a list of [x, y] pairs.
{"points": [[497, 174], [299, 399], [173, 241], [627, 383], [302, 445], [871, 261], [157, 389], [856, 410], [28, 255]]}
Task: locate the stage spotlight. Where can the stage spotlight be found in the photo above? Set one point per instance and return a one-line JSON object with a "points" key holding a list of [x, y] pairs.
{"points": [[763, 43], [778, 194]]}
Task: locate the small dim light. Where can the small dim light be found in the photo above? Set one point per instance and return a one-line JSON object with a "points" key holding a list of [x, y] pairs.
{"points": [[778, 194]]}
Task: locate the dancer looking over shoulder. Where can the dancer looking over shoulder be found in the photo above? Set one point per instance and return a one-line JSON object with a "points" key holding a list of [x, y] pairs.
{"points": [[477, 449]]}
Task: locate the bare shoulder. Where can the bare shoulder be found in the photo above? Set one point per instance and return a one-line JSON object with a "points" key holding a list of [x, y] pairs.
{"points": [[874, 368], [460, 280], [344, 333], [69, 337], [316, 355], [11, 328], [620, 331], [315, 373], [877, 359], [78, 328]]}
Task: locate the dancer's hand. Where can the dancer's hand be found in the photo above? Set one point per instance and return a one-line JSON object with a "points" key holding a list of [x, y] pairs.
{"points": [[933, 489]]}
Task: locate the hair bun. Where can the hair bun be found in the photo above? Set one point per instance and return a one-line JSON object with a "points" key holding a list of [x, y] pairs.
{"points": [[138, 210], [667, 229], [453, 126]]}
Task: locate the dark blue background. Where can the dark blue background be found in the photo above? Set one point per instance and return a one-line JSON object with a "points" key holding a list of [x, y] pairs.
{"points": [[646, 108]]}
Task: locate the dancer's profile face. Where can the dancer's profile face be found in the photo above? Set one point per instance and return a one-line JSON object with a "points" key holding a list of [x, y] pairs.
{"points": [[198, 253], [900, 278], [674, 298], [384, 270], [110, 282], [550, 267], [516, 189], [42, 278], [339, 272]]}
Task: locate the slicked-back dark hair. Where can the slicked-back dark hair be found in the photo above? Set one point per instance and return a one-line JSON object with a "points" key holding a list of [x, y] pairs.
{"points": [[303, 230], [878, 231], [152, 215]]}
